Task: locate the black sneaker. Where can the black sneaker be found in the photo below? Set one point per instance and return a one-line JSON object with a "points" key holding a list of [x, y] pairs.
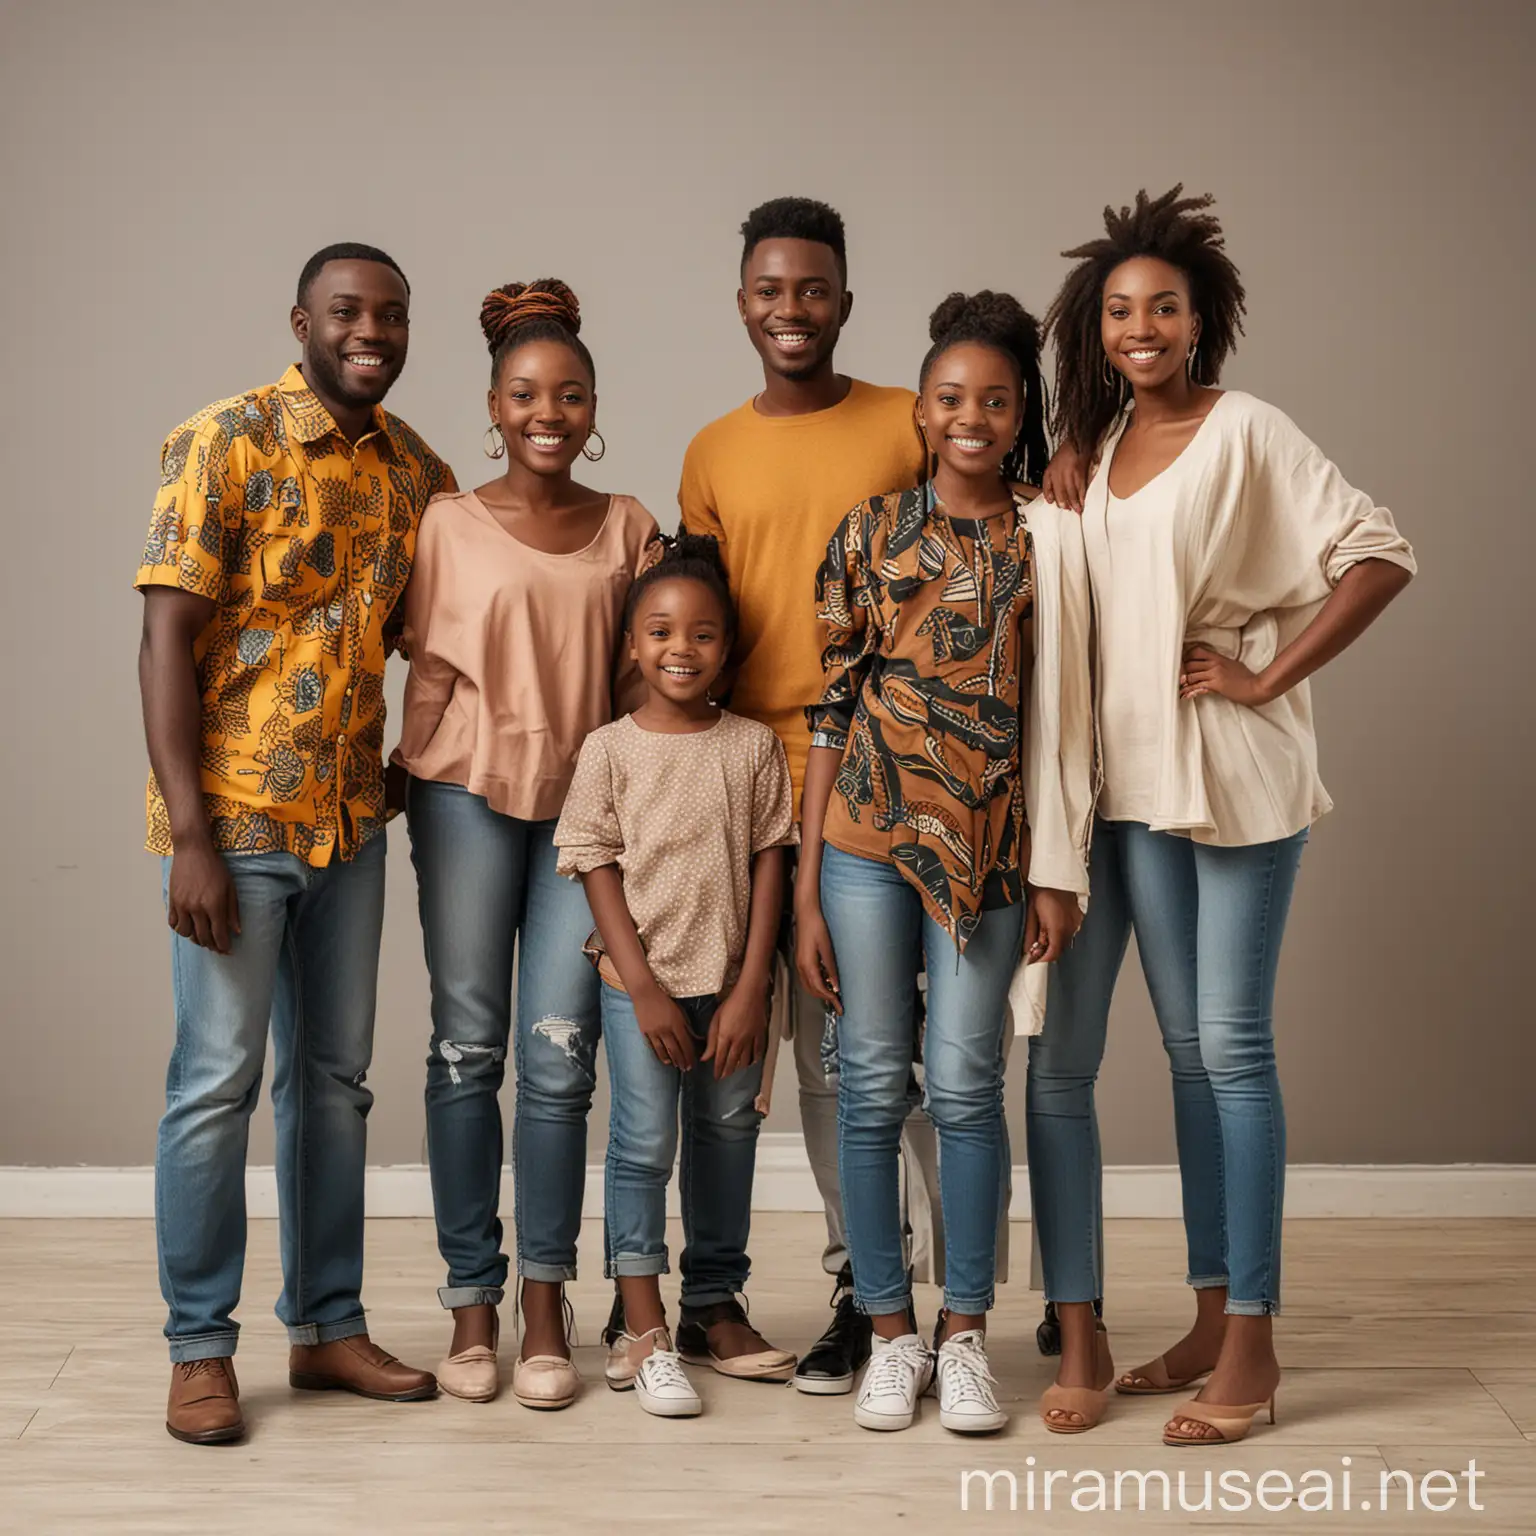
{"points": [[834, 1359]]}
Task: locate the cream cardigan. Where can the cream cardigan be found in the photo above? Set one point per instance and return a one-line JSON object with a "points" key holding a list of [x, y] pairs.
{"points": [[1256, 530]]}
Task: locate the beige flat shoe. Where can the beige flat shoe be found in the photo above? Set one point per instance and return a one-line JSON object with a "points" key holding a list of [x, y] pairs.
{"points": [[768, 1364], [1153, 1380], [472, 1373], [1230, 1424], [545, 1381]]}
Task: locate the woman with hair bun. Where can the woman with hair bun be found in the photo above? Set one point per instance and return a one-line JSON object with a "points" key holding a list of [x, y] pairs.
{"points": [[513, 624], [946, 805]]}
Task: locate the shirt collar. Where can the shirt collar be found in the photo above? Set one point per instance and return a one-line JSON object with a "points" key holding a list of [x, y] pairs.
{"points": [[311, 420]]}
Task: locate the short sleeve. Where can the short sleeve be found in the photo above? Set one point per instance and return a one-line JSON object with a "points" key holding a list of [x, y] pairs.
{"points": [[843, 601], [185, 546], [773, 798], [588, 834], [695, 499]]}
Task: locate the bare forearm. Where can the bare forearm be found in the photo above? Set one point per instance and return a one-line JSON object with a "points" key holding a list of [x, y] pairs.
{"points": [[820, 775], [1356, 603], [172, 706], [763, 916], [616, 925]]}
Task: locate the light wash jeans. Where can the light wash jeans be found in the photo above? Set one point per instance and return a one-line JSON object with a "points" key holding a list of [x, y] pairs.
{"points": [[487, 882], [1208, 924], [881, 937], [719, 1146], [304, 965]]}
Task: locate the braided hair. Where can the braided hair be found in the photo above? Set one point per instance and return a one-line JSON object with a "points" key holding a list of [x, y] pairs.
{"points": [[999, 321], [688, 557], [543, 310], [1174, 229]]}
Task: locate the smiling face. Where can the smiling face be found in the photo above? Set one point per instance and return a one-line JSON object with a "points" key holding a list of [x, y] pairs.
{"points": [[680, 638], [971, 408], [354, 326], [793, 304], [1147, 323], [544, 402]]}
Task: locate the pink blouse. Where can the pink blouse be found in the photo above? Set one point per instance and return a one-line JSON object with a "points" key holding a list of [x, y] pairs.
{"points": [[516, 654]]}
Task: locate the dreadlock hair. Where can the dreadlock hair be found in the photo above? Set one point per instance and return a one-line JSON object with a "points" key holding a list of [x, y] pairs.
{"points": [[688, 557], [543, 310], [796, 218], [1174, 229], [346, 250], [999, 321]]}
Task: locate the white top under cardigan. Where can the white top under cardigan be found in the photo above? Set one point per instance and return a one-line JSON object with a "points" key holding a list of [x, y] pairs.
{"points": [[1236, 545], [1059, 761]]}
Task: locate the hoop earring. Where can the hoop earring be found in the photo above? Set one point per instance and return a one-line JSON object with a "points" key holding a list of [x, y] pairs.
{"points": [[1111, 373], [494, 443], [602, 447]]}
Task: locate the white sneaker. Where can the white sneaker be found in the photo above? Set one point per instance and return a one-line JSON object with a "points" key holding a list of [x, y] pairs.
{"points": [[662, 1384], [900, 1371], [967, 1403]]}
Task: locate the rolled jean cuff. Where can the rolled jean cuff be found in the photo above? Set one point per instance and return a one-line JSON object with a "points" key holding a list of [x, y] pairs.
{"points": [[1205, 1282], [1252, 1308], [636, 1264], [699, 1297], [203, 1346], [880, 1306], [548, 1274], [327, 1333], [970, 1306], [453, 1296]]}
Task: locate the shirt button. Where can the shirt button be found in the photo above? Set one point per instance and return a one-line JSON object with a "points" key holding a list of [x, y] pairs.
{"points": [[341, 740]]}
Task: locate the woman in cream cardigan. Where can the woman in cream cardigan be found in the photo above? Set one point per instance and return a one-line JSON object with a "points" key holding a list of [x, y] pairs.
{"points": [[1229, 560]]}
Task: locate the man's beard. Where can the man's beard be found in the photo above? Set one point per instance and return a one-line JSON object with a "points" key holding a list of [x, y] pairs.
{"points": [[325, 369]]}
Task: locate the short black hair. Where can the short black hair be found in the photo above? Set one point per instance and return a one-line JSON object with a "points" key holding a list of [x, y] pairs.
{"points": [[796, 218], [999, 321], [688, 557], [345, 250], [1177, 229]]}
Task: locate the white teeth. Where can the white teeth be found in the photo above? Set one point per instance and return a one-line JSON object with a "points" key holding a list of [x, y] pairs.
{"points": [[791, 338], [681, 671], [1143, 355], [970, 442], [366, 360], [545, 439]]}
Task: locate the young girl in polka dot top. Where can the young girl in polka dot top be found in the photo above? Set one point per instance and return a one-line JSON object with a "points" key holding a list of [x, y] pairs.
{"points": [[676, 823]]}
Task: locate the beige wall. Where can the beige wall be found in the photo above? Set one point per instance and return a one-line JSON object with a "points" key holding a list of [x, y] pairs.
{"points": [[169, 167]]}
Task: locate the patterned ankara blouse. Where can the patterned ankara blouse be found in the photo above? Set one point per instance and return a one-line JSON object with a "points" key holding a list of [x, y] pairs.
{"points": [[304, 540], [922, 678]]}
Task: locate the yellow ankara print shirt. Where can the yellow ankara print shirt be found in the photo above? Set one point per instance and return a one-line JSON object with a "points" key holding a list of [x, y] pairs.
{"points": [[305, 541]]}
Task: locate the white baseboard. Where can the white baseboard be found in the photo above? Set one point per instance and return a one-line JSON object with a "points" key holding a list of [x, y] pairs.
{"points": [[784, 1183]]}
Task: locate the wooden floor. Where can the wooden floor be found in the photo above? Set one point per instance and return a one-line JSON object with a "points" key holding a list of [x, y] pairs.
{"points": [[1407, 1345]]}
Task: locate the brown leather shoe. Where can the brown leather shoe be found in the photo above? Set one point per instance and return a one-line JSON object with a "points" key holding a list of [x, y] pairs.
{"points": [[357, 1365], [204, 1407]]}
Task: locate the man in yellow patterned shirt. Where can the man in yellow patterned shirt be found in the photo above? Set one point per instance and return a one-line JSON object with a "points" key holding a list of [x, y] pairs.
{"points": [[279, 546]]}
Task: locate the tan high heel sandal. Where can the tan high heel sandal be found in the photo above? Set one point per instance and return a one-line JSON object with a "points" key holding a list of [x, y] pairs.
{"points": [[1153, 1380], [1088, 1403], [1230, 1424]]}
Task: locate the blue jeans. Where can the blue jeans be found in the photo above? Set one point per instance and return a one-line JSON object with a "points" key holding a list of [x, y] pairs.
{"points": [[305, 964], [720, 1121], [1208, 924], [882, 938], [487, 882]]}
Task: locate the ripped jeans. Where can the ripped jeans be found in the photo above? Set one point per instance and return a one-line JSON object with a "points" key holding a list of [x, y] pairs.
{"points": [[719, 1142], [485, 881], [882, 937]]}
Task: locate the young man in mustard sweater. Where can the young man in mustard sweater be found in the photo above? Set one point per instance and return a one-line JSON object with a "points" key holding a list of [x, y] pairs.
{"points": [[771, 480]]}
